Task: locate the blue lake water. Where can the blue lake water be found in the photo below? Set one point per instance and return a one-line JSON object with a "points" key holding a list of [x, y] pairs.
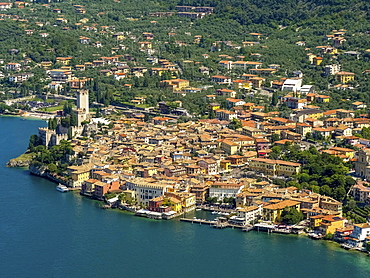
{"points": [[44, 233]]}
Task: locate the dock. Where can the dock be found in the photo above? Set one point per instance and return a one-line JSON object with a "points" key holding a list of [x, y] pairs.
{"points": [[216, 224], [200, 221]]}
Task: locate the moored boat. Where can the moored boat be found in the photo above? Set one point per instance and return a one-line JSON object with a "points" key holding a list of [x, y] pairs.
{"points": [[62, 188]]}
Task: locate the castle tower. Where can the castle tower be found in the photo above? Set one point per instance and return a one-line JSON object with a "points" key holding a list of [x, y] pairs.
{"points": [[82, 106], [83, 100]]}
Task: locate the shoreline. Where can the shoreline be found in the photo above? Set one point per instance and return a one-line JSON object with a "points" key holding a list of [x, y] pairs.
{"points": [[30, 116], [119, 208]]}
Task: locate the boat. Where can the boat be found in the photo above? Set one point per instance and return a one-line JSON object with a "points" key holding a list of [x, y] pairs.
{"points": [[214, 212], [198, 209], [62, 188]]}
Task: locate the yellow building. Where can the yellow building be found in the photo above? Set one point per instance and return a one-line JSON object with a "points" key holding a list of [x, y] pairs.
{"points": [[349, 153], [188, 200], [257, 81], [274, 167], [229, 147], [79, 174], [174, 203], [317, 61], [326, 224], [214, 106], [273, 212], [322, 98], [175, 84], [242, 84], [225, 165], [64, 60], [344, 77]]}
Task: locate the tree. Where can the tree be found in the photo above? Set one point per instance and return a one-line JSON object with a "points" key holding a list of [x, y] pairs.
{"points": [[274, 99], [235, 124], [329, 236], [52, 168], [70, 134], [275, 137], [325, 190], [291, 216], [352, 204]]}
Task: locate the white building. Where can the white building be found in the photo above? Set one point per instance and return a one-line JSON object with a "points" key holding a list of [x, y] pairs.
{"points": [[247, 215], [361, 231], [222, 190], [307, 89], [292, 85], [145, 191], [332, 69]]}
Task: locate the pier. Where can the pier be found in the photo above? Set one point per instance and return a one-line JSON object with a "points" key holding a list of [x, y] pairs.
{"points": [[200, 221], [219, 224]]}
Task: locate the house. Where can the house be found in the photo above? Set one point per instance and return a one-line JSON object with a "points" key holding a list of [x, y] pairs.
{"points": [[12, 66], [332, 69], [273, 212], [241, 84], [292, 136], [317, 61], [361, 192], [225, 64], [303, 129], [220, 79], [343, 130], [5, 6], [229, 147], [295, 103], [118, 36], [226, 92], [209, 165], [351, 53], [201, 192], [292, 85], [321, 133], [145, 45], [175, 84], [247, 215], [119, 75], [344, 77], [326, 224], [302, 115], [84, 40], [358, 105], [322, 98], [60, 75], [102, 188], [21, 77], [232, 102], [145, 191], [79, 174], [225, 115], [274, 167], [221, 190], [64, 60], [257, 81], [361, 231]]}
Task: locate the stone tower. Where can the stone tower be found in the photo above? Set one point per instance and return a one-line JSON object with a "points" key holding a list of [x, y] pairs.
{"points": [[82, 106]]}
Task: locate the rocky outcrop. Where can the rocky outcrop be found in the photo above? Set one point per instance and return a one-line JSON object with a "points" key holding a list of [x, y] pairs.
{"points": [[38, 170], [18, 163]]}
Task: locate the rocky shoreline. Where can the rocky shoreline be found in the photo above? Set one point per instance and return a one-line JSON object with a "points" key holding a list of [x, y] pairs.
{"points": [[15, 163]]}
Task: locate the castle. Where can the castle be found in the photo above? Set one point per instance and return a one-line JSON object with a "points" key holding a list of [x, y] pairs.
{"points": [[53, 137]]}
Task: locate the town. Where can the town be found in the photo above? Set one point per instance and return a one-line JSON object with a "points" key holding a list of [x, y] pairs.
{"points": [[162, 122]]}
